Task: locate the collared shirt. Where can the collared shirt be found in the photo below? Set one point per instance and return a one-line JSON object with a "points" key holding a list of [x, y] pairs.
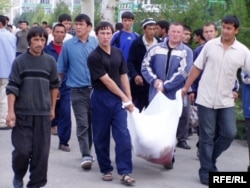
{"points": [[220, 67], [7, 52], [147, 45], [73, 61]]}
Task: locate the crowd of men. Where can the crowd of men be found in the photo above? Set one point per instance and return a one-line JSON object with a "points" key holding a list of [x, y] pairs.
{"points": [[44, 71]]}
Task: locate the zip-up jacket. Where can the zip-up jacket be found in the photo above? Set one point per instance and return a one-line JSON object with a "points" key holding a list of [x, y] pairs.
{"points": [[155, 63]]}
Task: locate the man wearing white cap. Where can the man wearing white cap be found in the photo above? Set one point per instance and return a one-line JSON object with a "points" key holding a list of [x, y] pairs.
{"points": [[139, 47]]}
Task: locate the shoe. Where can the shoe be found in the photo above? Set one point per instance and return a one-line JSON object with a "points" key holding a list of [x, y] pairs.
{"points": [[64, 148], [86, 163], [183, 145], [54, 130], [204, 182], [17, 183], [127, 180], [169, 165]]}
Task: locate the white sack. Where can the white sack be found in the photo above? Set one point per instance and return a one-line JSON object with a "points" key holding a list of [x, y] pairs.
{"points": [[153, 131]]}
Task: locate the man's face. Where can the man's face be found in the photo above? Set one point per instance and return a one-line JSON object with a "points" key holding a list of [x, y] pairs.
{"points": [[186, 36], [24, 26], [228, 32], [37, 44], [104, 37], [48, 29], [149, 31], [209, 32], [81, 28], [67, 24], [196, 39], [59, 34], [127, 24], [158, 31], [175, 33]]}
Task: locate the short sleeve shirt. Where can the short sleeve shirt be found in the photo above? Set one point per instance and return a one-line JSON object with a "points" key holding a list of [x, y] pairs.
{"points": [[101, 63]]}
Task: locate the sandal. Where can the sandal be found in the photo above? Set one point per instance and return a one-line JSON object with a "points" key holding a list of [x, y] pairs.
{"points": [[107, 177], [127, 180]]}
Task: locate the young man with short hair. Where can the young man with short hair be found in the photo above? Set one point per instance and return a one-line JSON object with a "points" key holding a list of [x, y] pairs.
{"points": [[123, 39], [72, 62], [32, 91], [218, 62], [110, 99], [162, 27]]}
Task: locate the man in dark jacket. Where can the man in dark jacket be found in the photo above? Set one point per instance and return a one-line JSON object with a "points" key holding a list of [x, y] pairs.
{"points": [[139, 47], [62, 111]]}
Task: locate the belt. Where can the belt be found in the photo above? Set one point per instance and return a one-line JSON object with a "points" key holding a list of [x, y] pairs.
{"points": [[80, 88]]}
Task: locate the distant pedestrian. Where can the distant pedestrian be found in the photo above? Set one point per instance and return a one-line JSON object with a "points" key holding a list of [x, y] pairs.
{"points": [[123, 39], [22, 44]]}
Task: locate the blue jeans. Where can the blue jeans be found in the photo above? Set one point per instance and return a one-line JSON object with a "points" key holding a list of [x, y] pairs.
{"points": [[217, 129]]}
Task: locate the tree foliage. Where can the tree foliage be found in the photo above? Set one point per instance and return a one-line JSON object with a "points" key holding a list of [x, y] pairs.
{"points": [[61, 8], [4, 6], [196, 13]]}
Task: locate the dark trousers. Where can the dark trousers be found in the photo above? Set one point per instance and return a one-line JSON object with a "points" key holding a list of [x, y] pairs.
{"points": [[63, 116], [80, 98], [183, 126], [31, 141], [108, 114], [140, 102]]}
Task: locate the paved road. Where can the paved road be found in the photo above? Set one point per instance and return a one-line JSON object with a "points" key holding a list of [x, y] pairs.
{"points": [[65, 172]]}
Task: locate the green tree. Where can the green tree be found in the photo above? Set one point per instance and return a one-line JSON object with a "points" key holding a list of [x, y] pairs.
{"points": [[4, 6], [61, 8], [38, 15]]}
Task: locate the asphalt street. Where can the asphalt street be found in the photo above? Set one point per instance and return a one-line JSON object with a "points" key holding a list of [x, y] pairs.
{"points": [[65, 171]]}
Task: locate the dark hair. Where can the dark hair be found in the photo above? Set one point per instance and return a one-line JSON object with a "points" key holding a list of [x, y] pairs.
{"points": [[20, 21], [48, 26], [59, 25], [7, 18], [37, 31], [102, 26], [3, 20], [231, 19], [118, 26], [64, 17], [128, 15], [211, 23], [163, 24], [10, 26], [199, 32], [44, 22], [187, 28], [83, 18], [27, 23]]}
